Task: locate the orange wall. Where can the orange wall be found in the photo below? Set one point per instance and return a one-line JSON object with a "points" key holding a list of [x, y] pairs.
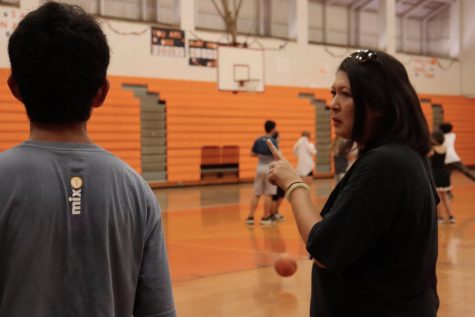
{"points": [[199, 115], [114, 126]]}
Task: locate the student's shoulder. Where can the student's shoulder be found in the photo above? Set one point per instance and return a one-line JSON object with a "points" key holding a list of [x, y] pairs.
{"points": [[260, 141], [123, 170], [109, 159], [257, 140], [261, 138], [12, 156]]}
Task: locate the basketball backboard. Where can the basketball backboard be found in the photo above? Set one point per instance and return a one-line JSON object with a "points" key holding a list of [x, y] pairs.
{"points": [[240, 69]]}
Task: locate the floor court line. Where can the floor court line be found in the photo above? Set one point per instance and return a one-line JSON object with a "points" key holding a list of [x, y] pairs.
{"points": [[225, 269]]}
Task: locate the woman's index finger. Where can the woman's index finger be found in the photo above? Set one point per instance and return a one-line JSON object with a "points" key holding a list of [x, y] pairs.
{"points": [[274, 150]]}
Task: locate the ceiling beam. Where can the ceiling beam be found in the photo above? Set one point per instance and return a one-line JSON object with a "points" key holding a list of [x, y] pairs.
{"points": [[440, 9], [358, 4], [425, 21], [365, 5], [405, 17], [354, 21], [415, 8], [446, 1]]}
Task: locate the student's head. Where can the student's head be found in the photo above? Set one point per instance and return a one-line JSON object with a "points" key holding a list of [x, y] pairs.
{"points": [[306, 134], [446, 127], [59, 57], [374, 101], [438, 137], [269, 126]]}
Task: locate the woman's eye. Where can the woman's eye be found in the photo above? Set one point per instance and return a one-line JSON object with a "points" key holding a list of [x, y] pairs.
{"points": [[333, 93]]}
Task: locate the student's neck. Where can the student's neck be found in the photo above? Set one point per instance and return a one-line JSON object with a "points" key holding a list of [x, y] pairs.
{"points": [[73, 132]]}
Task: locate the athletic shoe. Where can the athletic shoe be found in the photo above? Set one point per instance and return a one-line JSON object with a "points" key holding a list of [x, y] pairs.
{"points": [[266, 221], [277, 217], [440, 220], [451, 219], [250, 221]]}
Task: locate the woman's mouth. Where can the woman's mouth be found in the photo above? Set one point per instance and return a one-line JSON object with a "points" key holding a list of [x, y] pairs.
{"points": [[336, 121]]}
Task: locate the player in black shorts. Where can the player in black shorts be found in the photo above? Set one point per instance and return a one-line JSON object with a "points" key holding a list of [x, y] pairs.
{"points": [[279, 195]]}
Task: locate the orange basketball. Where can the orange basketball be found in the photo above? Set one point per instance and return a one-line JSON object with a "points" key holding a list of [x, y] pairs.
{"points": [[285, 265]]}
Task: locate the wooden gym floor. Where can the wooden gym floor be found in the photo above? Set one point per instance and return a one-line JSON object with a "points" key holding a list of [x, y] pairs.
{"points": [[221, 267]]}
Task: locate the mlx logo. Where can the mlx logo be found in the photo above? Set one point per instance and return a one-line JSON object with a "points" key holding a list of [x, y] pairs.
{"points": [[75, 199]]}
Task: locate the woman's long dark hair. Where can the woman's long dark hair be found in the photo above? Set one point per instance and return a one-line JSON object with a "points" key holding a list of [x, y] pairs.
{"points": [[380, 82]]}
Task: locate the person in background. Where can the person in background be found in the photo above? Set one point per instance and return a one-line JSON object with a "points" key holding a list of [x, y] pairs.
{"points": [[452, 159], [80, 230], [374, 243], [340, 149], [262, 186], [441, 175], [305, 152], [279, 195]]}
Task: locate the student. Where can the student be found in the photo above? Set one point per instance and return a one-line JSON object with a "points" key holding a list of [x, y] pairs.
{"points": [[305, 151], [441, 175], [262, 186], [340, 149], [278, 197], [452, 159], [80, 231], [375, 248]]}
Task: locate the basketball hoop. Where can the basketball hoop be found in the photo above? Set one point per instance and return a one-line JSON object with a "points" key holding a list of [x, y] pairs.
{"points": [[240, 69], [241, 83], [249, 85]]}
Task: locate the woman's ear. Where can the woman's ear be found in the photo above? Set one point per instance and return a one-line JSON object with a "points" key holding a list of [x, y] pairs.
{"points": [[14, 88], [101, 94]]}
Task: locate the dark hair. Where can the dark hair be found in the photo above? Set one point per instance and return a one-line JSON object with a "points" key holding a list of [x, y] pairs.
{"points": [[380, 82], [438, 137], [269, 125], [446, 127], [59, 57]]}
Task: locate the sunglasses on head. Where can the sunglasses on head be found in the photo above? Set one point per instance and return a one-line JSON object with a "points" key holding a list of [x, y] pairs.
{"points": [[363, 56]]}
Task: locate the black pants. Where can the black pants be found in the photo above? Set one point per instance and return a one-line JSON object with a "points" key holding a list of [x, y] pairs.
{"points": [[280, 194], [462, 168]]}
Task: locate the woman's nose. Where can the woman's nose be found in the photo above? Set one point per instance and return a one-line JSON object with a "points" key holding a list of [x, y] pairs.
{"points": [[334, 106]]}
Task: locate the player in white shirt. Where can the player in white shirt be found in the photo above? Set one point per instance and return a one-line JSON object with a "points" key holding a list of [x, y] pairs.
{"points": [[452, 160], [305, 151]]}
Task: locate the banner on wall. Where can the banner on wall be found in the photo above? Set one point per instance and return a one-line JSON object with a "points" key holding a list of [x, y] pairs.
{"points": [[166, 42], [424, 67], [203, 53], [9, 19]]}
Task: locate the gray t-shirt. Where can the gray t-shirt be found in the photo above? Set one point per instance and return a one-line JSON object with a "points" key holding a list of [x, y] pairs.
{"points": [[80, 235]]}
